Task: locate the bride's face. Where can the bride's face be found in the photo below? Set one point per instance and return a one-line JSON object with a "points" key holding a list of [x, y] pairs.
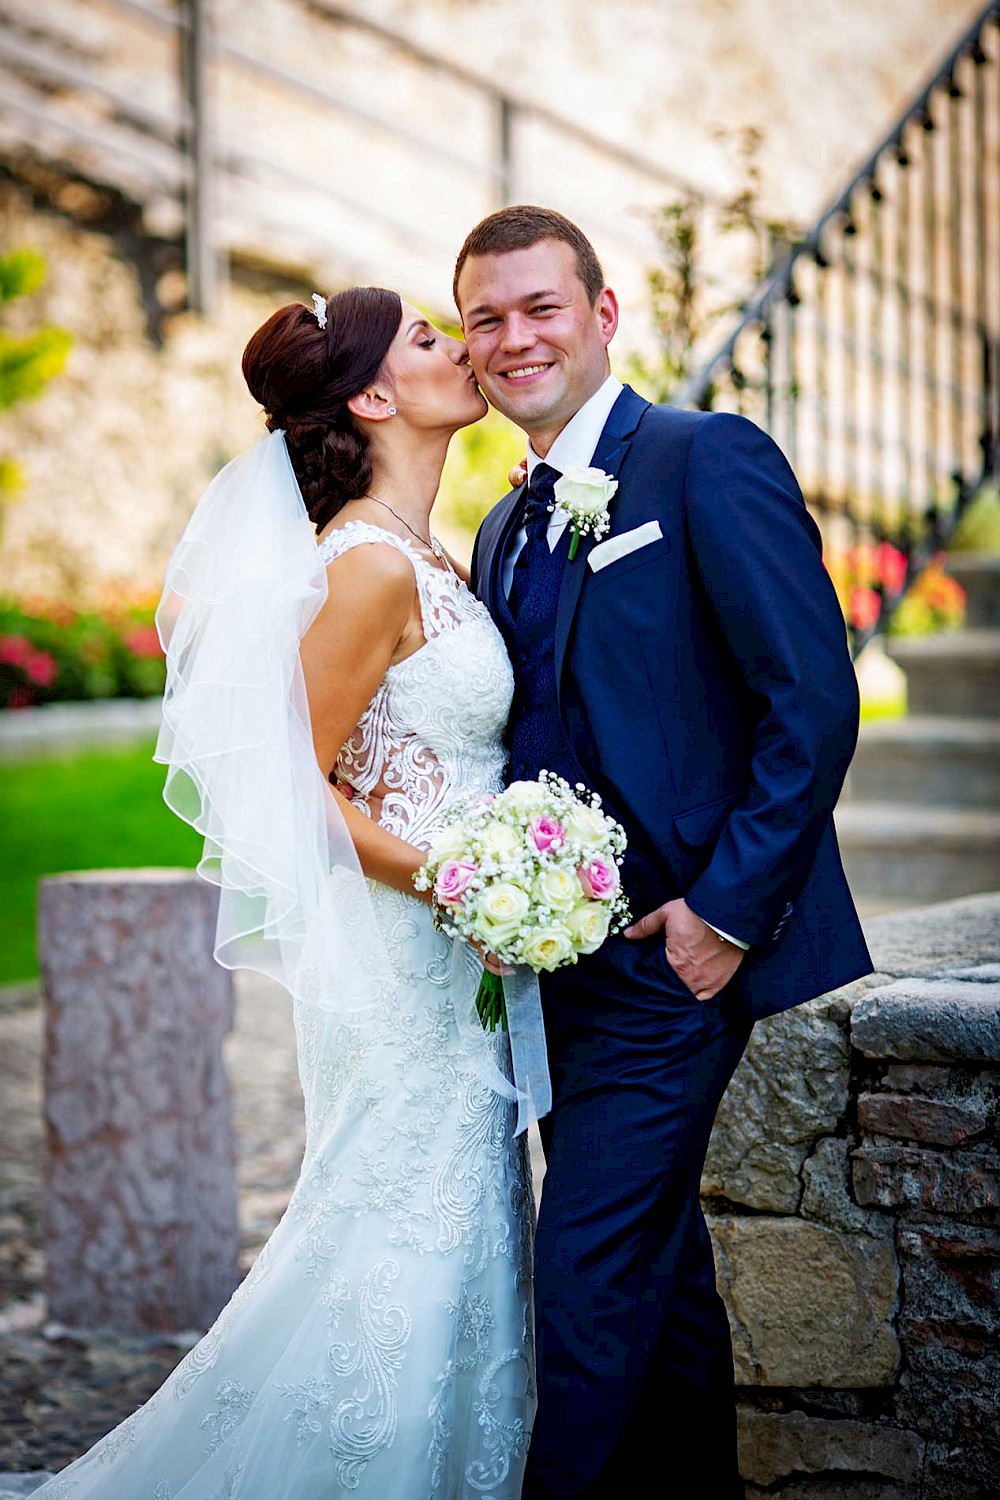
{"points": [[433, 384]]}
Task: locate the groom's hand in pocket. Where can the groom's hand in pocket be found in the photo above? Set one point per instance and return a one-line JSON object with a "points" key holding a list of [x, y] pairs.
{"points": [[696, 953]]}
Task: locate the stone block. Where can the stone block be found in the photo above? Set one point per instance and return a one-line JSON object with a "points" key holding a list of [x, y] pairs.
{"points": [[930, 1020], [951, 1282], [141, 1206], [808, 1305], [906, 1177], [935, 1121], [782, 1445], [789, 1089], [827, 1196], [928, 940]]}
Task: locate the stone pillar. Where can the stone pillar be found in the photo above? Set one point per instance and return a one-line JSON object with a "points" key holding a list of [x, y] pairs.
{"points": [[140, 1192]]}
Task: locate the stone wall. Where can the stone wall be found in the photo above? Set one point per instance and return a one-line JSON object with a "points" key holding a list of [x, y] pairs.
{"points": [[853, 1189]]}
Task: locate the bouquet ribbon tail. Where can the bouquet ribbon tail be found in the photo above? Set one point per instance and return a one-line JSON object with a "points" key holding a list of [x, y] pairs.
{"points": [[528, 1052]]}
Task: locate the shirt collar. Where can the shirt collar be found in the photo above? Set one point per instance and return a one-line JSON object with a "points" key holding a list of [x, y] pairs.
{"points": [[574, 447]]}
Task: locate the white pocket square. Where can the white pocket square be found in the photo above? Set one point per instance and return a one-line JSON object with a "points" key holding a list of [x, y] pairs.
{"points": [[620, 546]]}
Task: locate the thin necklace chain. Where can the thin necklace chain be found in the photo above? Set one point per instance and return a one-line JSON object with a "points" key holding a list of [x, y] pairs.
{"points": [[427, 541]]}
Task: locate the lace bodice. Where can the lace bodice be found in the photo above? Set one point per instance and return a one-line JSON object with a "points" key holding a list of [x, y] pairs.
{"points": [[432, 734]]}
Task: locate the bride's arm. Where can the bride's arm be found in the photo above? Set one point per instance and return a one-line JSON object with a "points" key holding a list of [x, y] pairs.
{"points": [[367, 614]]}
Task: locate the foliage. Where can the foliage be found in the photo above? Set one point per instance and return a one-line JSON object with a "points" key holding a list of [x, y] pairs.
{"points": [[933, 602], [475, 475], [685, 301], [978, 529], [51, 652], [27, 361], [99, 810]]}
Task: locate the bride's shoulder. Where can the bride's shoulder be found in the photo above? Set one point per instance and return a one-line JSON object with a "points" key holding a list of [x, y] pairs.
{"points": [[361, 556]]}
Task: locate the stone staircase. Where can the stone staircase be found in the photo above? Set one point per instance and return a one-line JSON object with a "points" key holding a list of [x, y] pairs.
{"points": [[920, 816]]}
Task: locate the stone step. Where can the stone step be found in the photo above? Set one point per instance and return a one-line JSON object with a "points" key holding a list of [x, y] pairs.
{"points": [[930, 761], [897, 853], [955, 673], [979, 575]]}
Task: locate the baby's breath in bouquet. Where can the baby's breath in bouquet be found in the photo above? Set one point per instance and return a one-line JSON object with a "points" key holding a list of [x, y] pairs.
{"points": [[531, 874]]}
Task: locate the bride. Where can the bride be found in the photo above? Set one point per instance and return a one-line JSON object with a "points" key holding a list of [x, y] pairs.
{"points": [[381, 1343]]}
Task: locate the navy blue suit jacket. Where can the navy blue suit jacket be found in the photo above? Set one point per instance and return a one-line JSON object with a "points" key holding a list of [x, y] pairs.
{"points": [[705, 681]]}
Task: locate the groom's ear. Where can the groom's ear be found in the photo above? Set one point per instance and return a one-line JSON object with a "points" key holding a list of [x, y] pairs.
{"points": [[372, 405]]}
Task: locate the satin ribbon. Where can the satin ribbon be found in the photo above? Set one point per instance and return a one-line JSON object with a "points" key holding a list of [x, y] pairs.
{"points": [[529, 1084]]}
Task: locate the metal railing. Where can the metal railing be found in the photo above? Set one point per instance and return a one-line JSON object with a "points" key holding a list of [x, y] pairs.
{"points": [[871, 350]]}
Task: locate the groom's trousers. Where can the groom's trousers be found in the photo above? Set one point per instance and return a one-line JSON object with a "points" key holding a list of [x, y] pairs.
{"points": [[635, 1372]]}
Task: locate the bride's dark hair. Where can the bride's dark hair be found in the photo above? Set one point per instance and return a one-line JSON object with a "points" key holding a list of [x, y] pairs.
{"points": [[304, 375]]}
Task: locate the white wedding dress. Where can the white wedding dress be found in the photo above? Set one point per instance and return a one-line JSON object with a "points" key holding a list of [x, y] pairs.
{"points": [[381, 1345]]}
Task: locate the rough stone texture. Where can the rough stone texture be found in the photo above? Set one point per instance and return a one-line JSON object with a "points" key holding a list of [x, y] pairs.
{"points": [[935, 939], [778, 1445], [141, 1208], [789, 1089], [827, 1193], [906, 1177], [932, 1120], [930, 1020], [951, 1279], [808, 1306]]}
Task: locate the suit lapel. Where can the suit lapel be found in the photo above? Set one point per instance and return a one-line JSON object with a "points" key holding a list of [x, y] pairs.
{"points": [[502, 521], [609, 455]]}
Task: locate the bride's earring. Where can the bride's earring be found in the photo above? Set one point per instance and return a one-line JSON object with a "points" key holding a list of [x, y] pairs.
{"points": [[390, 411]]}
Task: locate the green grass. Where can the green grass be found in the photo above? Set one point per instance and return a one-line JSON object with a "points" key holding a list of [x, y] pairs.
{"points": [[94, 811]]}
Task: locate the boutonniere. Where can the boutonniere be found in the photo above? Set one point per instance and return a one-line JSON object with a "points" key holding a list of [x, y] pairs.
{"points": [[584, 495]]}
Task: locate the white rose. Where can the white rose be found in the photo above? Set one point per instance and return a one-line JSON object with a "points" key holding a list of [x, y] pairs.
{"points": [[557, 889], [588, 926], [502, 910], [500, 839], [584, 492], [547, 948], [586, 825], [522, 794], [449, 843]]}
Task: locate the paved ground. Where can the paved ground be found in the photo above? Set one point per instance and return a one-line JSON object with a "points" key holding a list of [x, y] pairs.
{"points": [[58, 1393]]}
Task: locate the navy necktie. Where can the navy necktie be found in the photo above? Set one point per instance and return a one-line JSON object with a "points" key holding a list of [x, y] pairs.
{"points": [[535, 562]]}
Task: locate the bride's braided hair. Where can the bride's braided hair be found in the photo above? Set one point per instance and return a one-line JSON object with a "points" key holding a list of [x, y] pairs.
{"points": [[304, 375]]}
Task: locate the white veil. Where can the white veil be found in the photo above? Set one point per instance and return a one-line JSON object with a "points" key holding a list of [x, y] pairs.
{"points": [[242, 587]]}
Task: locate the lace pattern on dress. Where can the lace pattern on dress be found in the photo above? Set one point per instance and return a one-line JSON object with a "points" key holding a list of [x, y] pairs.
{"points": [[432, 734]]}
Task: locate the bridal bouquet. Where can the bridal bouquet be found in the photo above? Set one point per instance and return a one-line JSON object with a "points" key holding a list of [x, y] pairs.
{"points": [[532, 875]]}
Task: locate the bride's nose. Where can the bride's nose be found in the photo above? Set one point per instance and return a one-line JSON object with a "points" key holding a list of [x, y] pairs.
{"points": [[458, 351]]}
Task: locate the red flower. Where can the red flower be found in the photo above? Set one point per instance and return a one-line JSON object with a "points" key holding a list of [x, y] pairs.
{"points": [[20, 697], [890, 567], [864, 608], [143, 641], [14, 650], [41, 668]]}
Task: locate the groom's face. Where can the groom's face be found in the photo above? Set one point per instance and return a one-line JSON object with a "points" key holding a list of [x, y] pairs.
{"points": [[538, 346]]}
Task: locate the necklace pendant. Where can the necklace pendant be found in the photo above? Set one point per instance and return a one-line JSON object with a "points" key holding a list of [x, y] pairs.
{"points": [[436, 548]]}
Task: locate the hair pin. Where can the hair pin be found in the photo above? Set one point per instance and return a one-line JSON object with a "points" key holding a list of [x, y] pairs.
{"points": [[319, 308]]}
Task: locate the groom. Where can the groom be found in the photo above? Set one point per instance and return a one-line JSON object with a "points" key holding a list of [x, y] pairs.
{"points": [[692, 667]]}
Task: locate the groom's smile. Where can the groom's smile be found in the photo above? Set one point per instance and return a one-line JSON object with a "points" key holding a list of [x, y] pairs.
{"points": [[537, 343]]}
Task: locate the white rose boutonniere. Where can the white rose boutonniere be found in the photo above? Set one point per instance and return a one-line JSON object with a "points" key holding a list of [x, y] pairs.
{"points": [[585, 494]]}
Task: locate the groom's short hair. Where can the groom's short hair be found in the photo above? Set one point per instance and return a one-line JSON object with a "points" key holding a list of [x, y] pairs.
{"points": [[522, 225]]}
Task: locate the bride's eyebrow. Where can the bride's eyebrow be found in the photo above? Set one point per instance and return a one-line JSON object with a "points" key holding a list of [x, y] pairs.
{"points": [[418, 323]]}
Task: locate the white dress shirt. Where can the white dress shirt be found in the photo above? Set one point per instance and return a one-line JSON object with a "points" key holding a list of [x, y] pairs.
{"points": [[574, 448]]}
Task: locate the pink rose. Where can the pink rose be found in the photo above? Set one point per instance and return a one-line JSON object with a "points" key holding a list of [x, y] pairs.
{"points": [[453, 880], [41, 668], [547, 832], [598, 878]]}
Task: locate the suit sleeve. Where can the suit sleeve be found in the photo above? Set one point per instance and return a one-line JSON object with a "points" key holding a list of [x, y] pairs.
{"points": [[757, 552]]}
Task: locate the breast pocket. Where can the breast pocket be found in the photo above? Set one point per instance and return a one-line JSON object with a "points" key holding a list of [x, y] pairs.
{"points": [[612, 567]]}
